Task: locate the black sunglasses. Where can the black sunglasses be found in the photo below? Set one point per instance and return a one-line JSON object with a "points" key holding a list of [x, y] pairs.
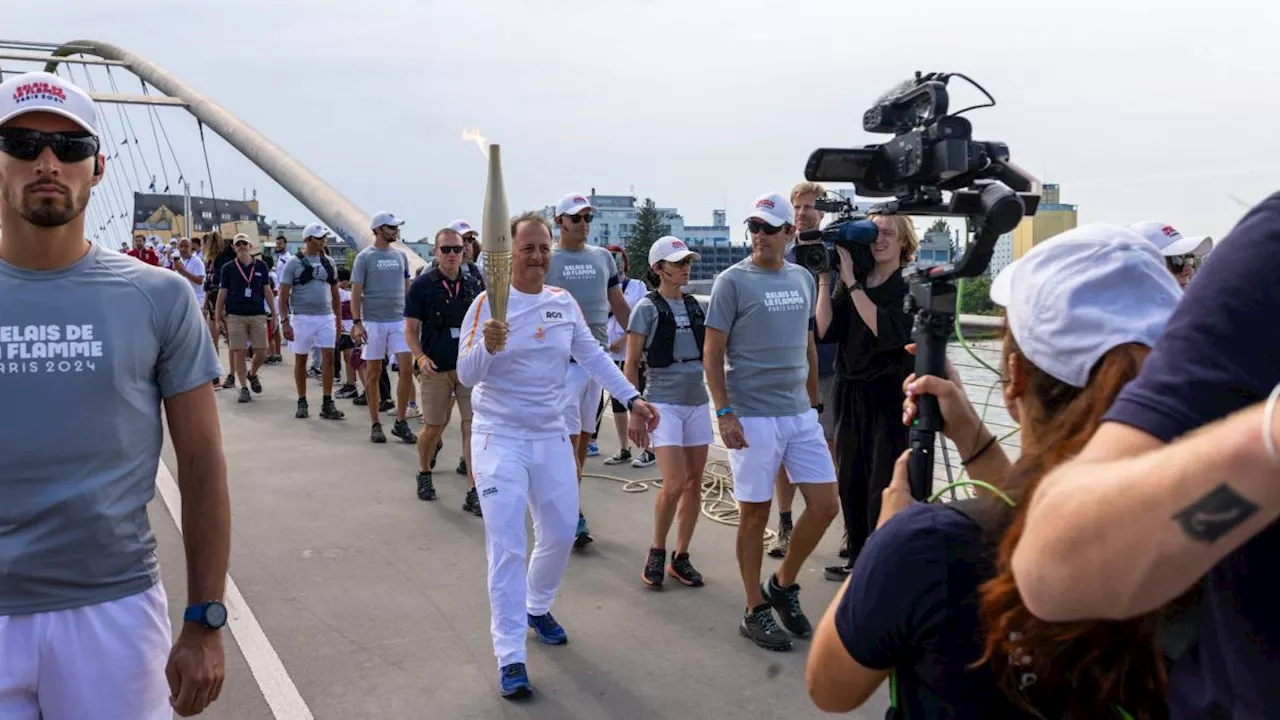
{"points": [[755, 226], [582, 217], [68, 147], [1177, 262], [450, 249]]}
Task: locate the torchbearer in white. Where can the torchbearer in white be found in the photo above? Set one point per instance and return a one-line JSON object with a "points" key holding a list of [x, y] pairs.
{"points": [[522, 455]]}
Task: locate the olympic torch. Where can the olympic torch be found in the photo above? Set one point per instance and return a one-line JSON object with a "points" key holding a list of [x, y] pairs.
{"points": [[495, 239]]}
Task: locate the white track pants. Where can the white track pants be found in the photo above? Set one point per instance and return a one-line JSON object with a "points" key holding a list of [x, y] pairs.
{"points": [[512, 474], [98, 661]]}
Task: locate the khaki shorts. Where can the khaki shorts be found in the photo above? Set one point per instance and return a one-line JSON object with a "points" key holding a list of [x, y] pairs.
{"points": [[438, 391], [243, 329]]}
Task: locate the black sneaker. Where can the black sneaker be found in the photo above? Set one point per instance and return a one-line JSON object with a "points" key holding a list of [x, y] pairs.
{"points": [[681, 569], [230, 382], [436, 455], [385, 405], [244, 395], [302, 408], [759, 627], [426, 490], [402, 431], [462, 466], [375, 434], [255, 383], [837, 573], [329, 411], [619, 457], [360, 400], [787, 602], [472, 503], [644, 460], [346, 392], [653, 575]]}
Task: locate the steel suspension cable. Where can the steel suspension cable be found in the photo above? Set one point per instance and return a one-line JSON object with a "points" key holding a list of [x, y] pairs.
{"points": [[159, 120], [131, 137], [112, 210]]}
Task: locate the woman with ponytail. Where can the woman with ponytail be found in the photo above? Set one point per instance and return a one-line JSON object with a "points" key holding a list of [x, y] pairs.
{"points": [[932, 598]]}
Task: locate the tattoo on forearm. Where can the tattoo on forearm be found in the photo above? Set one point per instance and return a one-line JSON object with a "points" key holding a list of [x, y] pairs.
{"points": [[1215, 514]]}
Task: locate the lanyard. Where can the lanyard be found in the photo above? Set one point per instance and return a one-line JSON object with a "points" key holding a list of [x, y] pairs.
{"points": [[248, 280], [453, 292]]}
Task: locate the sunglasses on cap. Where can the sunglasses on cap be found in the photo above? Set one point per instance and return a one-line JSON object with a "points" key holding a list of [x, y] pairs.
{"points": [[757, 227], [585, 217], [450, 249], [1178, 262], [68, 147]]}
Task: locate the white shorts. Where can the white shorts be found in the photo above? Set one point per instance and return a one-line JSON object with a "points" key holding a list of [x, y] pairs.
{"points": [[794, 442], [312, 331], [582, 401], [682, 426], [383, 338], [98, 661]]}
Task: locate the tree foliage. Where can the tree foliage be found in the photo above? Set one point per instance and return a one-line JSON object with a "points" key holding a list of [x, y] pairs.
{"points": [[647, 229], [940, 225], [975, 297]]}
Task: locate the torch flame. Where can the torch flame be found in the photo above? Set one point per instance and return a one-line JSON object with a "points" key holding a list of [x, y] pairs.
{"points": [[473, 134]]}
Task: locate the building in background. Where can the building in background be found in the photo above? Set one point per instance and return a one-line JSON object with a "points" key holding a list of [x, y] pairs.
{"points": [[935, 248], [291, 231], [1052, 217], [162, 215], [1002, 255]]}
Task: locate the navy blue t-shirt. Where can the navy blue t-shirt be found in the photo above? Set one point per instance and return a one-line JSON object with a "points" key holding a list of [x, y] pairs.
{"points": [[245, 286], [827, 349], [912, 605], [1220, 353]]}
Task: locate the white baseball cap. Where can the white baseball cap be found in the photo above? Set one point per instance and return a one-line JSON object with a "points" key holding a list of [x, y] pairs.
{"points": [[670, 249], [462, 227], [46, 92], [1076, 295], [315, 230], [572, 204], [1170, 242], [773, 209], [384, 218]]}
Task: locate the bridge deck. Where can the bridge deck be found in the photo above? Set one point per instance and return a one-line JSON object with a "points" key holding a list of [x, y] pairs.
{"points": [[375, 602]]}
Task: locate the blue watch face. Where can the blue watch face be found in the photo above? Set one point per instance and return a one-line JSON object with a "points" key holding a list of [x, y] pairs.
{"points": [[215, 615]]}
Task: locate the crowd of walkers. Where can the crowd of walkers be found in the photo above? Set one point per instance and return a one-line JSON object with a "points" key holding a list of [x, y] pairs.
{"points": [[1120, 567]]}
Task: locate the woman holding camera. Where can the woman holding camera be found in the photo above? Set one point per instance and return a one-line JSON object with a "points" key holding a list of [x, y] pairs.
{"points": [[867, 319], [933, 598]]}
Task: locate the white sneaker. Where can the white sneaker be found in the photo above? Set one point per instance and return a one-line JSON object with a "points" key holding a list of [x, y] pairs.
{"points": [[618, 458], [646, 459], [412, 411]]}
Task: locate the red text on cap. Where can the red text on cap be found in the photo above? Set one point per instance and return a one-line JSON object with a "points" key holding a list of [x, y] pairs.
{"points": [[39, 90], [764, 203], [1169, 231], [675, 244]]}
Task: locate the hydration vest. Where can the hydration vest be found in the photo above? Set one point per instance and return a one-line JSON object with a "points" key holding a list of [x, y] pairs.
{"points": [[309, 270], [661, 352]]}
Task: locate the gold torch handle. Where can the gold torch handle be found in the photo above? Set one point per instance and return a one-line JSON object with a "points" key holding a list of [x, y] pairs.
{"points": [[497, 282]]}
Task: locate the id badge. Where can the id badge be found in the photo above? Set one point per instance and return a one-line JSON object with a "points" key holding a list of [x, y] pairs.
{"points": [[455, 333], [248, 292]]}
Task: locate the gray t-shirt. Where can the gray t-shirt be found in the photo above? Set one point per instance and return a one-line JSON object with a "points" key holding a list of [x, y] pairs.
{"points": [[87, 353], [768, 315], [314, 298], [680, 383], [587, 274], [382, 273]]}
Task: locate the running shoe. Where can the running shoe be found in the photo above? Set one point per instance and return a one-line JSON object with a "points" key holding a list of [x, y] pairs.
{"points": [[593, 449], [402, 431], [778, 546], [583, 536], [652, 575], [426, 489], [787, 602], [681, 569], [244, 395], [548, 630], [302, 408], [759, 627], [329, 411], [515, 682], [375, 434], [255, 383], [472, 503], [462, 466]]}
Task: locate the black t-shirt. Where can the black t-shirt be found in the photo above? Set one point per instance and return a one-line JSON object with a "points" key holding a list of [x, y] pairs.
{"points": [[440, 304], [865, 355], [912, 605], [1220, 353], [245, 286]]}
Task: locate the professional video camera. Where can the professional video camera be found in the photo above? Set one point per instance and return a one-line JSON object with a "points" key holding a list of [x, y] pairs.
{"points": [[816, 249], [932, 152]]}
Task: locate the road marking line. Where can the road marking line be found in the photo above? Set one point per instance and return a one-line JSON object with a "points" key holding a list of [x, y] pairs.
{"points": [[268, 671]]}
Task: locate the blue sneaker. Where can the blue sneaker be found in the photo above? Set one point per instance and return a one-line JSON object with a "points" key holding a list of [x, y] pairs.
{"points": [[583, 535], [592, 449], [548, 630], [515, 682]]}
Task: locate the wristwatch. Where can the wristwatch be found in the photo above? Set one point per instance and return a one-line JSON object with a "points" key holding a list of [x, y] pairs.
{"points": [[211, 615], [356, 321], [632, 402]]}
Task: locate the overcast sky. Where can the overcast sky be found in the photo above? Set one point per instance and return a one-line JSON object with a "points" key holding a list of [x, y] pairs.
{"points": [[1139, 110]]}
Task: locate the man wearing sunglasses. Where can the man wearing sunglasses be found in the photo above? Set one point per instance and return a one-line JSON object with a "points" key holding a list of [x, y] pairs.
{"points": [[84, 624], [1182, 255], [591, 277], [761, 320]]}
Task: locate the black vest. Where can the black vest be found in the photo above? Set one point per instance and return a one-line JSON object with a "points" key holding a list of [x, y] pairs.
{"points": [[445, 311], [661, 352]]}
